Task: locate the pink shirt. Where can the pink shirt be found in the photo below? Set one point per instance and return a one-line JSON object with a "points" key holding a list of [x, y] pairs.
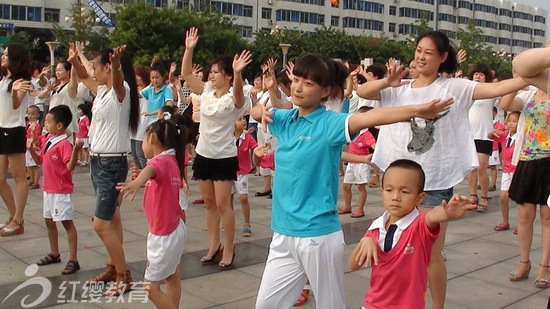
{"points": [[246, 143], [161, 196], [400, 278], [57, 177], [268, 161], [83, 127], [497, 125], [507, 152], [37, 130], [362, 144]]}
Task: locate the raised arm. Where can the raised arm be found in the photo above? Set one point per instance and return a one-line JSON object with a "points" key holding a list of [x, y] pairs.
{"points": [[371, 90], [453, 209], [73, 84], [387, 115], [116, 72], [19, 89], [240, 61], [533, 64], [81, 72], [511, 102], [193, 82]]}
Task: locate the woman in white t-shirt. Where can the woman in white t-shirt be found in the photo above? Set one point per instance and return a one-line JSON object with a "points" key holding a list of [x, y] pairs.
{"points": [[215, 166], [444, 147], [15, 84], [116, 114], [480, 117]]}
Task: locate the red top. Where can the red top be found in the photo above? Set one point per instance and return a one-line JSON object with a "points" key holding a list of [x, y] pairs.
{"points": [[401, 276], [507, 152], [497, 125], [37, 130], [268, 161], [246, 144], [161, 196], [362, 144], [83, 127], [57, 177]]}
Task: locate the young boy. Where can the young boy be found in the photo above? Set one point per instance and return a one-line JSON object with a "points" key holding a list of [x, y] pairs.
{"points": [[358, 173], [245, 143], [58, 159], [399, 243], [33, 128]]}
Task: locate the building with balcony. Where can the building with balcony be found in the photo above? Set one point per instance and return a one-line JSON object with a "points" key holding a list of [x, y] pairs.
{"points": [[507, 26]]}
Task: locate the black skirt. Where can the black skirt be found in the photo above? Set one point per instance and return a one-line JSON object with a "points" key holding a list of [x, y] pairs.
{"points": [[531, 182], [215, 169]]}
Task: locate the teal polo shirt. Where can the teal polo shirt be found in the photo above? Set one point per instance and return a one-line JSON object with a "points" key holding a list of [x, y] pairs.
{"points": [[305, 190], [156, 100]]}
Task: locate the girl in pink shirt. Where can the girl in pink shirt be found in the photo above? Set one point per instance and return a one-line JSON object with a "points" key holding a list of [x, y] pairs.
{"points": [[84, 118], [164, 145]]}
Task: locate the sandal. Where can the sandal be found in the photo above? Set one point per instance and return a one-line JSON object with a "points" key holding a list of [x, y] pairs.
{"points": [[542, 283], [3, 225], [516, 276], [358, 213], [481, 207], [71, 267], [209, 260], [247, 231], [492, 188], [108, 275], [373, 183], [475, 199], [49, 259], [502, 227], [304, 296], [342, 211], [122, 285], [227, 266]]}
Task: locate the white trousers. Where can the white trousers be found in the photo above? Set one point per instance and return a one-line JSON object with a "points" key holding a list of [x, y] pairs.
{"points": [[294, 260]]}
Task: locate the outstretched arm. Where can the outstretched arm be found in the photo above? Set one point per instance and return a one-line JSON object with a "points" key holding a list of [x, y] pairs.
{"points": [[493, 90], [371, 90], [454, 209], [191, 40], [130, 189]]}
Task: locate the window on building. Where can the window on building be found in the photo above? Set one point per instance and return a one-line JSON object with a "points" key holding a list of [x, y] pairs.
{"points": [[34, 13], [391, 27], [539, 32], [246, 31], [5, 11], [247, 10], [504, 41], [158, 3], [446, 17], [335, 21], [51, 15], [505, 12], [540, 19], [505, 27], [18, 12], [465, 5], [447, 2], [266, 13], [393, 10], [182, 4]]}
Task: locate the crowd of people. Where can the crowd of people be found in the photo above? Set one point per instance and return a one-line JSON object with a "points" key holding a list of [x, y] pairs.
{"points": [[416, 132]]}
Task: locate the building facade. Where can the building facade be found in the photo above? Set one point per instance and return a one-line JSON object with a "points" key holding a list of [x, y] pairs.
{"points": [[507, 26]]}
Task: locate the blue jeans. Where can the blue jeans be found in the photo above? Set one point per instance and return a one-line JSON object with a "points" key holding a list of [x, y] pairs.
{"points": [[434, 198], [106, 173], [137, 153]]}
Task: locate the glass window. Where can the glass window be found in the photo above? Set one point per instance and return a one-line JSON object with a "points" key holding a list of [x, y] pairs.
{"points": [[393, 10], [5, 11], [335, 21], [391, 27], [34, 13], [51, 15], [18, 12], [266, 13]]}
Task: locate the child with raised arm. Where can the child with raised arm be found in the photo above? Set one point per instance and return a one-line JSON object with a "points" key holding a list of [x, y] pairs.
{"points": [[33, 128], [58, 159], [164, 145], [398, 244], [308, 241]]}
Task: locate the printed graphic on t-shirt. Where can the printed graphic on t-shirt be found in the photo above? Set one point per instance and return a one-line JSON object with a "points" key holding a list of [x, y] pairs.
{"points": [[423, 137]]}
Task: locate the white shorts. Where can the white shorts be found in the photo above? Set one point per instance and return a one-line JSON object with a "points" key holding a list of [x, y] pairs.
{"points": [[29, 162], [86, 142], [164, 253], [505, 181], [494, 158], [293, 260], [241, 185], [184, 202], [357, 173], [58, 206]]}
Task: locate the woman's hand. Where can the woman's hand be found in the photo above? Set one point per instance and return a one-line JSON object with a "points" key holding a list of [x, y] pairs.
{"points": [[191, 38], [434, 108], [21, 85], [395, 74], [73, 52], [240, 61], [115, 56]]}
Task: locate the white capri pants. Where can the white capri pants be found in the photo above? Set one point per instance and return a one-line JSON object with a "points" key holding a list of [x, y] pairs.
{"points": [[293, 260]]}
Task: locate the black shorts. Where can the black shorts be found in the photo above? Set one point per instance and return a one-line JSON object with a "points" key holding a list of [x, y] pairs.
{"points": [[531, 182], [483, 146], [215, 169], [13, 140]]}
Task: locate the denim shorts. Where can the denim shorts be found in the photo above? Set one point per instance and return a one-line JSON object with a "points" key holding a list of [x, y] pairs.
{"points": [[106, 173], [434, 197]]}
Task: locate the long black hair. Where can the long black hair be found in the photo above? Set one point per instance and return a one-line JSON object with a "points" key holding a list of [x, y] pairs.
{"points": [[171, 135], [19, 63], [129, 77]]}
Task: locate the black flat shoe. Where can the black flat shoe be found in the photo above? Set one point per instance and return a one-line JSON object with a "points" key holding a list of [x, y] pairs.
{"points": [[209, 260], [266, 193]]}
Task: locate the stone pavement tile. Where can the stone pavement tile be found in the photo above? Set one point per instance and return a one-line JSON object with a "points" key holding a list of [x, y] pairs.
{"points": [[10, 268], [468, 292], [538, 300], [479, 248]]}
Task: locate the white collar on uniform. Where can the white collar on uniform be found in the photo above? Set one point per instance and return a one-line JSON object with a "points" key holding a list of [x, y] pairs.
{"points": [[56, 139], [402, 224]]}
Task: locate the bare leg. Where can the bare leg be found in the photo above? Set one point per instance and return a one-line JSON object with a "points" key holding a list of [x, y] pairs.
{"points": [[362, 198], [206, 188], [347, 196], [105, 230], [504, 207], [245, 205], [527, 214], [5, 191], [545, 258], [223, 194], [72, 238], [53, 237], [158, 297]]}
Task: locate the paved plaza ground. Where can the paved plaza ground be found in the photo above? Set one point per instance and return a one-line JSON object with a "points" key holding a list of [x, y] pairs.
{"points": [[478, 258]]}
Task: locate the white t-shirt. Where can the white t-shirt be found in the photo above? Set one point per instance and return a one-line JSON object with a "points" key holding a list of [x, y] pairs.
{"points": [[109, 131], [218, 117], [10, 118], [62, 98], [525, 96], [444, 148], [354, 102], [264, 99], [334, 105], [140, 132], [481, 118]]}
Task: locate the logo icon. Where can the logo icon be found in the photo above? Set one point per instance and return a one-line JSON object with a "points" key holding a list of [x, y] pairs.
{"points": [[41, 281]]}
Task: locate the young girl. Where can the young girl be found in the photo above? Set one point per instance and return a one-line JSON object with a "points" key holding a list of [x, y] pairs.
{"points": [[428, 142], [14, 87], [164, 146], [506, 139], [84, 117], [308, 241], [33, 129], [215, 166]]}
